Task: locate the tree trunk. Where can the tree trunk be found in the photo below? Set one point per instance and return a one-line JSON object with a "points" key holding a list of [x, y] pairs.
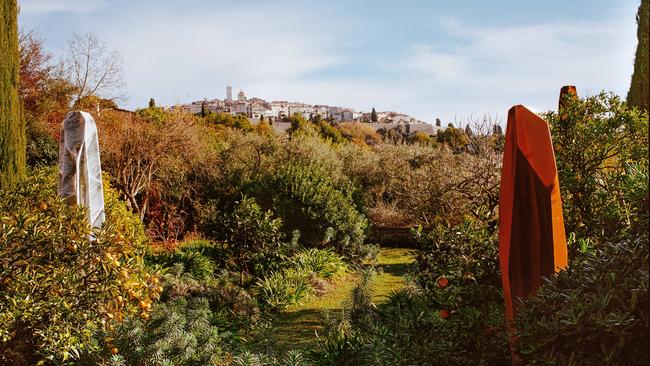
{"points": [[12, 127]]}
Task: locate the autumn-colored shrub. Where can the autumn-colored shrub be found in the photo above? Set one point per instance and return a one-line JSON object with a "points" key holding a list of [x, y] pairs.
{"points": [[453, 137], [420, 137], [59, 280], [154, 164], [359, 134]]}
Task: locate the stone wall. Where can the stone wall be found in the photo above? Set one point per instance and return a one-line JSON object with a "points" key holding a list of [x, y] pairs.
{"points": [[281, 126], [408, 127], [377, 126], [392, 237], [423, 127]]}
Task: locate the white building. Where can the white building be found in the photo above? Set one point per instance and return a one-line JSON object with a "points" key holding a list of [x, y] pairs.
{"points": [[305, 110], [342, 115], [241, 97], [279, 109], [243, 109]]}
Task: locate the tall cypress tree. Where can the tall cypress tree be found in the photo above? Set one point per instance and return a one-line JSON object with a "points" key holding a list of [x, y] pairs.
{"points": [[12, 127], [373, 115], [639, 94]]}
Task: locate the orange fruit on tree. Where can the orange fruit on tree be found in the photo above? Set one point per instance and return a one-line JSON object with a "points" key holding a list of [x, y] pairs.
{"points": [[444, 313]]}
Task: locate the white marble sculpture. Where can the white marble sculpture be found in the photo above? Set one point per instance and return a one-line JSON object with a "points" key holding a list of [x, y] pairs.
{"points": [[80, 172]]}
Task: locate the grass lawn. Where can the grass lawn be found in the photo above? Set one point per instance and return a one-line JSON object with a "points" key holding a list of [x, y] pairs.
{"points": [[297, 326]]}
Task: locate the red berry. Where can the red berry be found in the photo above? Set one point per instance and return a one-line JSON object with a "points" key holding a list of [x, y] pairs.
{"points": [[443, 282], [444, 313]]}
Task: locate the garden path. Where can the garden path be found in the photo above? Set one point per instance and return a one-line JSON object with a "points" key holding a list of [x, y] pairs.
{"points": [[299, 325]]}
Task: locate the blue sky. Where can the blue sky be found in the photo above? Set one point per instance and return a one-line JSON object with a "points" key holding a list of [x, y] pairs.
{"points": [[431, 59]]}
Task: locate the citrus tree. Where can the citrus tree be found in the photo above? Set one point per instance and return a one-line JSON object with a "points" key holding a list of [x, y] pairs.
{"points": [[60, 281]]}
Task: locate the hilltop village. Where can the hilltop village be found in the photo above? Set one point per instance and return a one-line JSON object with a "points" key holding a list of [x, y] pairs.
{"points": [[278, 112]]}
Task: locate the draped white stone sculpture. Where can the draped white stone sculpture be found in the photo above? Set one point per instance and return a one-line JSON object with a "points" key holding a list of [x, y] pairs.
{"points": [[80, 172]]}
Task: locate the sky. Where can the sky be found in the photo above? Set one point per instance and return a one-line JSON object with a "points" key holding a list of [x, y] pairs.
{"points": [[453, 60]]}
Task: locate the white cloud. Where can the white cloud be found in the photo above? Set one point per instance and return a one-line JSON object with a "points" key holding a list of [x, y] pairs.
{"points": [[438, 65], [494, 68], [191, 56], [70, 6], [177, 52]]}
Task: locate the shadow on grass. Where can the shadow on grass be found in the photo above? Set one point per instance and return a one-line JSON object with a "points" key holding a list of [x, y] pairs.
{"points": [[297, 329], [396, 269]]}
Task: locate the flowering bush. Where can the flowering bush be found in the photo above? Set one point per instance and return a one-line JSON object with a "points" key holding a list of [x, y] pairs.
{"points": [[57, 285]]}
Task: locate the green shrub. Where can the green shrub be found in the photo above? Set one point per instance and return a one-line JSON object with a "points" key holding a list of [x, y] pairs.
{"points": [[307, 200], [42, 148], [181, 332], [408, 330], [420, 137], [57, 286], [226, 119], [299, 124], [452, 315], [595, 313], [196, 264], [153, 114], [322, 262], [458, 271], [455, 138], [340, 350], [465, 255], [253, 238], [291, 358], [596, 140], [281, 289], [224, 296], [328, 132], [635, 193]]}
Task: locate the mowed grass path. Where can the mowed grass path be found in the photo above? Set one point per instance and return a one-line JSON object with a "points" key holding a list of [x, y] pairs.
{"points": [[297, 327]]}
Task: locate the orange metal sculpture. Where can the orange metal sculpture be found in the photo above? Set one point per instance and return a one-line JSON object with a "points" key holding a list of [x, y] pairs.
{"points": [[532, 242], [564, 93]]}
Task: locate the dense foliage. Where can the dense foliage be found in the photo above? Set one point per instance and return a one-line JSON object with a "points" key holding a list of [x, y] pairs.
{"points": [[247, 223], [252, 238], [599, 143], [596, 310], [12, 124], [309, 201], [594, 313], [451, 314], [59, 280]]}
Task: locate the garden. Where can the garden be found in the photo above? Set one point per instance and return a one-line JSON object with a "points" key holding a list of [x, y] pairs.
{"points": [[227, 243]]}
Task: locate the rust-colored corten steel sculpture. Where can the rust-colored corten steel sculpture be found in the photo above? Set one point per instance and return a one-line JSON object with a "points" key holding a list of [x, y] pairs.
{"points": [[564, 93], [532, 242]]}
